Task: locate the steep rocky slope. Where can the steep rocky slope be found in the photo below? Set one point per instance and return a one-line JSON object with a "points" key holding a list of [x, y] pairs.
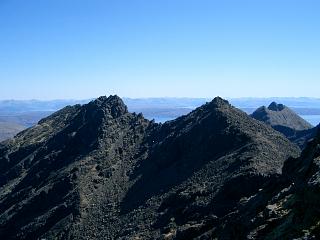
{"points": [[99, 172], [286, 208], [286, 121]]}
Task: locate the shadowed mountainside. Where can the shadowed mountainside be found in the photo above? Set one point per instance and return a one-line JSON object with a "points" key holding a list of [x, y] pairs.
{"points": [[287, 208], [99, 172]]}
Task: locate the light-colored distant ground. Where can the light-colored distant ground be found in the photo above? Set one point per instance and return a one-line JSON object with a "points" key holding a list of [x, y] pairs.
{"points": [[9, 130]]}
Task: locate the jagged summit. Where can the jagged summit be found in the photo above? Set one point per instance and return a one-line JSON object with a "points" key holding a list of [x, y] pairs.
{"points": [[276, 107], [280, 115], [112, 100], [112, 105], [286, 121], [218, 101], [217, 104]]}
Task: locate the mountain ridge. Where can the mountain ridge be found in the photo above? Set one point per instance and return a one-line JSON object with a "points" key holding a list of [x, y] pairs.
{"points": [[89, 170]]}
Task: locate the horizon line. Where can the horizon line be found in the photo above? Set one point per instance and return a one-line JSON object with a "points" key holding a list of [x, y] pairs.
{"points": [[146, 98]]}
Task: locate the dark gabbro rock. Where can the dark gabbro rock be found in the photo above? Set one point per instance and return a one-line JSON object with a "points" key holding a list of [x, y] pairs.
{"points": [[286, 208], [97, 171], [276, 107]]}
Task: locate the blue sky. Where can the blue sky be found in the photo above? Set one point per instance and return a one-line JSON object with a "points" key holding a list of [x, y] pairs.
{"points": [[178, 48]]}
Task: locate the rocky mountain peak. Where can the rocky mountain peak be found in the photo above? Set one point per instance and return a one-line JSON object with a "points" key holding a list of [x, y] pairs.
{"points": [[286, 121], [112, 105], [280, 115], [219, 102], [276, 107]]}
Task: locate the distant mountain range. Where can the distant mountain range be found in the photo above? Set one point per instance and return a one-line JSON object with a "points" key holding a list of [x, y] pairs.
{"points": [[298, 104]]}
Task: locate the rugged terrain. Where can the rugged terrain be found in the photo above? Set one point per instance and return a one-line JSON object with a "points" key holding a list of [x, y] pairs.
{"points": [[286, 121], [286, 208], [96, 171]]}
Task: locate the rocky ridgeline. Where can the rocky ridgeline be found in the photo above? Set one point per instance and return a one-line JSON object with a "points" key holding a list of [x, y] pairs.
{"points": [[97, 171]]}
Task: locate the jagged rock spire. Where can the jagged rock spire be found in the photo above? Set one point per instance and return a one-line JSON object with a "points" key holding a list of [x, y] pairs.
{"points": [[276, 107]]}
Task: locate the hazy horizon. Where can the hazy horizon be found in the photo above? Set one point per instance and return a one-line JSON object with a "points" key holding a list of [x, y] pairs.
{"points": [[160, 97]]}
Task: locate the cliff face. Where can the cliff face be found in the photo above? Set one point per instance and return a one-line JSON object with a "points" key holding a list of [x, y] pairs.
{"points": [[99, 172]]}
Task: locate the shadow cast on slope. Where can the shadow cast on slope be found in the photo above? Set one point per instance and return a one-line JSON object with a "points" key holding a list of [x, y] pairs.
{"points": [[175, 158]]}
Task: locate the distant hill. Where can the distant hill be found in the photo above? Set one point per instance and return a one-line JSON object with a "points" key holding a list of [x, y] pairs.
{"points": [[279, 115], [286, 121]]}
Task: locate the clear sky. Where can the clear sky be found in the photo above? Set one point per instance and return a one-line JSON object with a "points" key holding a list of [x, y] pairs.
{"points": [[53, 49]]}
